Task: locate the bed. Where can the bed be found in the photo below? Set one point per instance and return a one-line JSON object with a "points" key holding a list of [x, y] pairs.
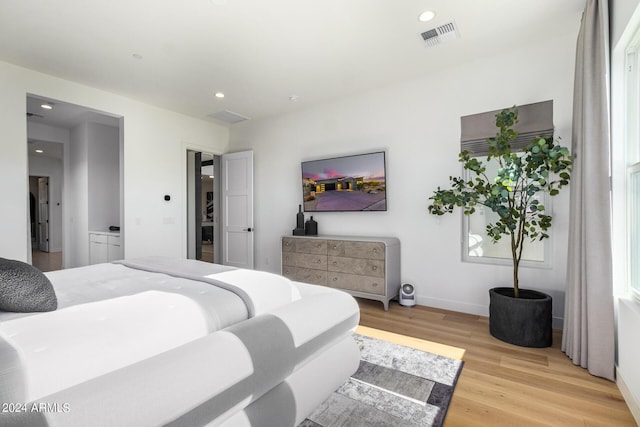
{"points": [[161, 341]]}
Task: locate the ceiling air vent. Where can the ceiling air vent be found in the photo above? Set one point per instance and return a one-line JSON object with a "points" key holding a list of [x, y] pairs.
{"points": [[229, 116], [440, 35]]}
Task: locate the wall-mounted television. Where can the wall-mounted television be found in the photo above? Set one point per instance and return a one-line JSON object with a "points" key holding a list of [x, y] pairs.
{"points": [[346, 183]]}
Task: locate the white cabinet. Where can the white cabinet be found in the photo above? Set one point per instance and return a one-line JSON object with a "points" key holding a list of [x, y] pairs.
{"points": [[104, 247], [98, 249]]}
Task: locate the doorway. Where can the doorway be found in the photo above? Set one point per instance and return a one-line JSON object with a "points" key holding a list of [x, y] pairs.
{"points": [[46, 253], [203, 206], [80, 151]]}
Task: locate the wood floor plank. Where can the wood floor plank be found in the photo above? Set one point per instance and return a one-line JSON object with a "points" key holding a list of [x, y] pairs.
{"points": [[502, 384], [424, 345]]}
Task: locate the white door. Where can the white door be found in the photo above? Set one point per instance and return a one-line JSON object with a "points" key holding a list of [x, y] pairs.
{"points": [[43, 214], [237, 205]]}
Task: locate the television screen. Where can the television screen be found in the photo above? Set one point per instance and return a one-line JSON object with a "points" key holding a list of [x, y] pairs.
{"points": [[348, 183]]}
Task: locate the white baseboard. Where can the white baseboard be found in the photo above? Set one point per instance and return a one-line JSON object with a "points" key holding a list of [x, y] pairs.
{"points": [[478, 310], [632, 402]]}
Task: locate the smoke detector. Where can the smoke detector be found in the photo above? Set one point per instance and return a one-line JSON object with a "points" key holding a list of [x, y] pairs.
{"points": [[442, 34]]}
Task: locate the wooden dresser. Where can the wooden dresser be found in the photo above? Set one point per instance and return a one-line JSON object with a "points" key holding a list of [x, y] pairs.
{"points": [[366, 267]]}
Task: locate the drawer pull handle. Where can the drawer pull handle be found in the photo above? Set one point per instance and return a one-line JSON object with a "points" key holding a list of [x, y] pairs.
{"points": [[375, 249], [335, 247], [335, 279], [335, 262], [375, 285], [374, 268]]}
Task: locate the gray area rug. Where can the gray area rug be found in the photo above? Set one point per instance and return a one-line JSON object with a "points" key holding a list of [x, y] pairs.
{"points": [[394, 386]]}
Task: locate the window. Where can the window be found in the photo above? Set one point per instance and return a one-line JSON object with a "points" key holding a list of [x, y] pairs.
{"points": [[632, 140], [534, 120], [478, 247]]}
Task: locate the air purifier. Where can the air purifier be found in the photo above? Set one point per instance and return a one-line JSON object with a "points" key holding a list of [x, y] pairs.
{"points": [[407, 295]]}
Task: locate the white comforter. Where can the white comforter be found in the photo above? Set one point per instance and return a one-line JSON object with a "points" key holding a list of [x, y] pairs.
{"points": [[260, 291], [62, 348], [113, 315]]}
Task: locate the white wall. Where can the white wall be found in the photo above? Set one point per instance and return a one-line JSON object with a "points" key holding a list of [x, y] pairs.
{"points": [[625, 18], [104, 176], [155, 142], [418, 124], [42, 132], [628, 372], [77, 198]]}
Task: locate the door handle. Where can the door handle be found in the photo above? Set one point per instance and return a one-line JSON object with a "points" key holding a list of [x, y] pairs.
{"points": [[248, 229]]}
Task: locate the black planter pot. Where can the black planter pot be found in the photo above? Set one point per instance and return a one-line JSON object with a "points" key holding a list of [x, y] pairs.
{"points": [[523, 321]]}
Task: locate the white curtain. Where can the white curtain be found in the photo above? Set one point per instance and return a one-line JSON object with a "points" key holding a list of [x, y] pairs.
{"points": [[588, 337]]}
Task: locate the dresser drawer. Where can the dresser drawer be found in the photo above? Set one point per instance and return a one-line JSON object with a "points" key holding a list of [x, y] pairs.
{"points": [[295, 259], [306, 275], [306, 246], [365, 267], [354, 282], [288, 244], [367, 250]]}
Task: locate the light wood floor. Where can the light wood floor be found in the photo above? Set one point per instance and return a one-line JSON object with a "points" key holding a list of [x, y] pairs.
{"points": [[207, 252], [505, 385], [46, 261]]}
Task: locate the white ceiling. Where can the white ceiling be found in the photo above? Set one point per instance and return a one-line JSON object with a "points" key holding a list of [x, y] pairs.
{"points": [[63, 115], [259, 52]]}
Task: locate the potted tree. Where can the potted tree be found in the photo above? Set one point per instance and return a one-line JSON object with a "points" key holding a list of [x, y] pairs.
{"points": [[518, 316]]}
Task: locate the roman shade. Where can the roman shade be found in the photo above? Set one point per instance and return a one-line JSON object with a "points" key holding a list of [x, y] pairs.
{"points": [[533, 120]]}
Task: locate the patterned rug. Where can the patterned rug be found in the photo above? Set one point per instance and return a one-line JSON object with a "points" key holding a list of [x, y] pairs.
{"points": [[394, 386]]}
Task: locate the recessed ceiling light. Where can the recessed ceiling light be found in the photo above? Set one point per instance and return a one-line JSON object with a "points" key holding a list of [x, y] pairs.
{"points": [[219, 95], [47, 106], [39, 151], [426, 16], [294, 98]]}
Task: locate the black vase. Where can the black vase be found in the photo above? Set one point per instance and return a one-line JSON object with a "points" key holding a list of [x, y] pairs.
{"points": [[299, 230], [524, 321], [300, 218], [311, 227]]}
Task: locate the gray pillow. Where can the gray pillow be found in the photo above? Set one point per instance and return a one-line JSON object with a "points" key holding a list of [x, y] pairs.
{"points": [[24, 289]]}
